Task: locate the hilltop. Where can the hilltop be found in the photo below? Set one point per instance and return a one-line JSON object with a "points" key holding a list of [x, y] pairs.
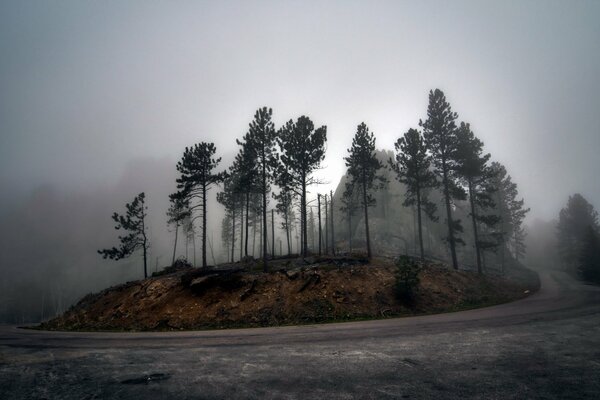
{"points": [[316, 289]]}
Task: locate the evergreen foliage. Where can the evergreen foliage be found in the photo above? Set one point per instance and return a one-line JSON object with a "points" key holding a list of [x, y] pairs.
{"points": [[197, 176], [302, 150], [260, 142], [439, 131], [407, 279], [574, 221], [589, 259], [177, 212], [412, 166], [475, 173], [132, 222], [363, 170]]}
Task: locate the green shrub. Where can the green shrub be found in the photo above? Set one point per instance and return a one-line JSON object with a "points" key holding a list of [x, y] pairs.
{"points": [[407, 279]]}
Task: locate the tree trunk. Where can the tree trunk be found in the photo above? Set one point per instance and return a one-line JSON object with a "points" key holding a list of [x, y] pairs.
{"points": [[419, 221], [319, 216], [366, 206], [451, 239], [474, 220], [145, 239], [273, 233], [287, 232], [326, 227], [241, 230], [264, 210], [332, 228], [247, 220], [203, 229], [304, 219], [233, 234], [175, 245]]}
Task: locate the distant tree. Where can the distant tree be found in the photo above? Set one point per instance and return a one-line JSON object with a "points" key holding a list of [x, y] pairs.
{"points": [[197, 169], [474, 171], [248, 186], [574, 221], [284, 207], [412, 166], [350, 205], [229, 199], [177, 212], [261, 147], [227, 235], [510, 212], [133, 222], [439, 131], [363, 167], [589, 259], [302, 150]]}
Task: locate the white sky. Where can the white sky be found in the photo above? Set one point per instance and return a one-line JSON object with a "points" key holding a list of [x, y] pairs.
{"points": [[86, 87]]}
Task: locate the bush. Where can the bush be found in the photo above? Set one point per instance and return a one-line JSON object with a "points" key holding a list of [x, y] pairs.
{"points": [[407, 279]]}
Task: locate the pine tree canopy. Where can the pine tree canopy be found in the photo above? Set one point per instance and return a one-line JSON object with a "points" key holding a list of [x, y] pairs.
{"points": [[133, 222]]}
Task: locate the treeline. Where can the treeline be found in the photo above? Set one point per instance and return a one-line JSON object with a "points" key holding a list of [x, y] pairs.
{"points": [[578, 234], [279, 165]]}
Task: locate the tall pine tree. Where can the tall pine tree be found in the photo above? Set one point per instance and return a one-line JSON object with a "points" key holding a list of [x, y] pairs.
{"points": [[261, 145], [197, 176], [302, 150], [439, 131], [363, 167], [475, 173], [412, 166]]}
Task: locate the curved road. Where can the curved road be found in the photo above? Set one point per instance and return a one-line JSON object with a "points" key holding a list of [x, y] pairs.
{"points": [[545, 346]]}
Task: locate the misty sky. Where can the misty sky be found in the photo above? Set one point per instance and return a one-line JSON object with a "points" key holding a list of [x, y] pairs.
{"points": [[86, 88]]}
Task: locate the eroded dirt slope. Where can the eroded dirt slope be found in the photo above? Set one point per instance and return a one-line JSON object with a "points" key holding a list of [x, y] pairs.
{"points": [[327, 291]]}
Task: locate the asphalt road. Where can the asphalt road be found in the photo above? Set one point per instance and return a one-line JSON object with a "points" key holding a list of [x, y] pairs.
{"points": [[546, 346]]}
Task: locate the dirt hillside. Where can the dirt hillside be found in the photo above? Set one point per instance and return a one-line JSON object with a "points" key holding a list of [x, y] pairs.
{"points": [[298, 292]]}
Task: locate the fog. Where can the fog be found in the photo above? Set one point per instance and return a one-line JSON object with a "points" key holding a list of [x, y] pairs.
{"points": [[98, 101]]}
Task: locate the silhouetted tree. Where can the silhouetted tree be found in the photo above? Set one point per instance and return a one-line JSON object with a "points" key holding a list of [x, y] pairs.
{"points": [[350, 205], [283, 207], [589, 259], [261, 147], [573, 224], [510, 212], [363, 167], [133, 222], [474, 171], [197, 177], [245, 168], [412, 165], [439, 131], [302, 150], [228, 198], [177, 212]]}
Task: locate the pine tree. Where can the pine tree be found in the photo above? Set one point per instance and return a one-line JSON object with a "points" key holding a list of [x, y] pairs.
{"points": [[261, 145], [363, 167], [133, 222], [197, 177], [509, 211], [589, 259], [247, 182], [439, 131], [350, 205], [302, 151], [475, 173], [177, 212], [573, 223], [412, 166]]}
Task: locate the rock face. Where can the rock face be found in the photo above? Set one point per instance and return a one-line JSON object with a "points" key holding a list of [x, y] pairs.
{"points": [[329, 289]]}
